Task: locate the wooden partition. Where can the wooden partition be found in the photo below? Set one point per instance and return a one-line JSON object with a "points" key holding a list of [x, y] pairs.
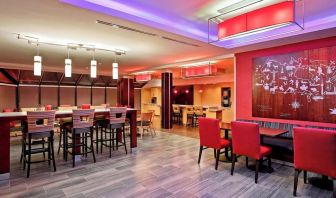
{"points": [[7, 97], [67, 96], [83, 95], [49, 96], [98, 96], [28, 96], [111, 96]]}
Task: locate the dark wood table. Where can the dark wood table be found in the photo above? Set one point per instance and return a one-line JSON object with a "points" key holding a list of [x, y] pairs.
{"points": [[264, 132], [6, 118]]}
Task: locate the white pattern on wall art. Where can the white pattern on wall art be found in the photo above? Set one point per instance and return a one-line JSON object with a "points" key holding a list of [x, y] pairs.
{"points": [[315, 80]]}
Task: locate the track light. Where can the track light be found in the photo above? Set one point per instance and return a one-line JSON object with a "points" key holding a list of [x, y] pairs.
{"points": [[68, 66], [37, 63]]}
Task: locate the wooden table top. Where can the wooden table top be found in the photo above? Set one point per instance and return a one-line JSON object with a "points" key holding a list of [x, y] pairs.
{"points": [[270, 132]]}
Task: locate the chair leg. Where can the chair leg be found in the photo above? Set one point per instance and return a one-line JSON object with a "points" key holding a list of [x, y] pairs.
{"points": [[97, 133], [29, 155], [73, 147], [296, 178], [124, 137], [101, 137], [52, 152], [269, 164], [217, 158], [91, 145], [111, 141], [305, 177], [215, 152], [43, 146], [49, 153], [256, 172], [233, 159], [200, 154], [246, 161], [60, 142], [334, 186]]}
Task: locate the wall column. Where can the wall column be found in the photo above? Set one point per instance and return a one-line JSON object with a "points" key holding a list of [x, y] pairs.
{"points": [[166, 106], [125, 92]]}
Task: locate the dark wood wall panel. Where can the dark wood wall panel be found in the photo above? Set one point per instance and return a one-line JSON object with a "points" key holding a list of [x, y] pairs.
{"points": [[167, 99], [111, 96], [296, 86], [67, 96], [28, 97], [49, 96], [7, 97], [98, 96], [83, 96], [126, 92]]}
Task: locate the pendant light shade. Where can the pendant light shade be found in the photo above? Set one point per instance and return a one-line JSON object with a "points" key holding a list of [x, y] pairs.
{"points": [[115, 71], [93, 69], [37, 65], [68, 68]]}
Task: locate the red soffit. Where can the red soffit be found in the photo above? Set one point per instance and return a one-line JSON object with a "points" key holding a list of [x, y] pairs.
{"points": [[143, 77], [199, 71], [232, 26], [272, 15]]}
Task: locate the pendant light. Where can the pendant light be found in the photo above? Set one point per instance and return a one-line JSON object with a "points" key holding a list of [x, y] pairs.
{"points": [[93, 67], [115, 69], [37, 63], [68, 66]]}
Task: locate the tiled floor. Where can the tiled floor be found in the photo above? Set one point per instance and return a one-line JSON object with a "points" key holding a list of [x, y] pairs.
{"points": [[163, 166]]}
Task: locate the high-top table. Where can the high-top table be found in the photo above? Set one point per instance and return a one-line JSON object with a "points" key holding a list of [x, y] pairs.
{"points": [[6, 118]]}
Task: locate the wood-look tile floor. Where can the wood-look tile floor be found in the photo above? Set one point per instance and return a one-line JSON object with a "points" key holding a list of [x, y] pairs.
{"points": [[163, 166]]}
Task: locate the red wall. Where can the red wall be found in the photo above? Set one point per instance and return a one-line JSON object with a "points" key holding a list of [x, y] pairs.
{"points": [[244, 77]]}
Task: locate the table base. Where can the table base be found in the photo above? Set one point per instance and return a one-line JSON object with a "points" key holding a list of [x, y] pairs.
{"points": [[321, 182]]}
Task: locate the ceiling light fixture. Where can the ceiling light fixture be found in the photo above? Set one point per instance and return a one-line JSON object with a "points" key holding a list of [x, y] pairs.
{"points": [[37, 63], [236, 6], [93, 72], [115, 69], [68, 66]]}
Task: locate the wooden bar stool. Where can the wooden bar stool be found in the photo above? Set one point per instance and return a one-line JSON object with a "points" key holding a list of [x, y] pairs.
{"points": [[190, 115], [198, 112], [82, 127], [115, 130], [39, 130], [177, 115]]}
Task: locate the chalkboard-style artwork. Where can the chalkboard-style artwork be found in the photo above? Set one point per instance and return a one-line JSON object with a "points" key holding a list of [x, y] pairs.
{"points": [[226, 97], [296, 86]]}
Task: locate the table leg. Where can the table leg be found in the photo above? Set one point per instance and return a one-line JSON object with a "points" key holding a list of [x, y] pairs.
{"points": [[132, 117], [4, 148]]}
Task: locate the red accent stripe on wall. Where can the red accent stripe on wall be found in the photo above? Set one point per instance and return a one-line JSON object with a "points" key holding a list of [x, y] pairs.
{"points": [[264, 17]]}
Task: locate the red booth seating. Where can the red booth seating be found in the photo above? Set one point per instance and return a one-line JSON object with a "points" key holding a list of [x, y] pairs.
{"points": [[7, 110], [246, 142], [86, 106], [314, 151], [209, 132]]}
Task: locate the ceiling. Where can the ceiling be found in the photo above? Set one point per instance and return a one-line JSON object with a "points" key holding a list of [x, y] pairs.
{"points": [[66, 21]]}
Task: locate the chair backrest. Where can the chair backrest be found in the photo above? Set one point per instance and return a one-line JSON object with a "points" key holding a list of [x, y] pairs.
{"points": [[86, 106], [209, 132], [7, 110], [147, 117], [34, 121], [82, 118], [246, 139], [176, 108], [315, 150], [118, 115], [198, 110], [48, 107], [190, 109]]}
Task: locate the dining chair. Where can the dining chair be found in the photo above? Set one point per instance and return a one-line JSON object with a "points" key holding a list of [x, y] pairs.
{"points": [[114, 130], [314, 151], [177, 115], [146, 123], [38, 130], [209, 132], [86, 106], [246, 142], [79, 132], [48, 107]]}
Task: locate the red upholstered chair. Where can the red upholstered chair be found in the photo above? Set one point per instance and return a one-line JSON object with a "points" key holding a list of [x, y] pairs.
{"points": [[209, 132], [246, 142], [86, 106], [48, 107], [314, 151], [7, 110]]}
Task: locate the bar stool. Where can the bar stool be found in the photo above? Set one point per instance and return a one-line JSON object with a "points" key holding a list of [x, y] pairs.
{"points": [[190, 115], [82, 127], [198, 112], [177, 115], [116, 126], [86, 106], [100, 122], [38, 130]]}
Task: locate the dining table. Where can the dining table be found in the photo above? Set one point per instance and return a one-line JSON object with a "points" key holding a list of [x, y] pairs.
{"points": [[264, 132], [6, 118]]}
